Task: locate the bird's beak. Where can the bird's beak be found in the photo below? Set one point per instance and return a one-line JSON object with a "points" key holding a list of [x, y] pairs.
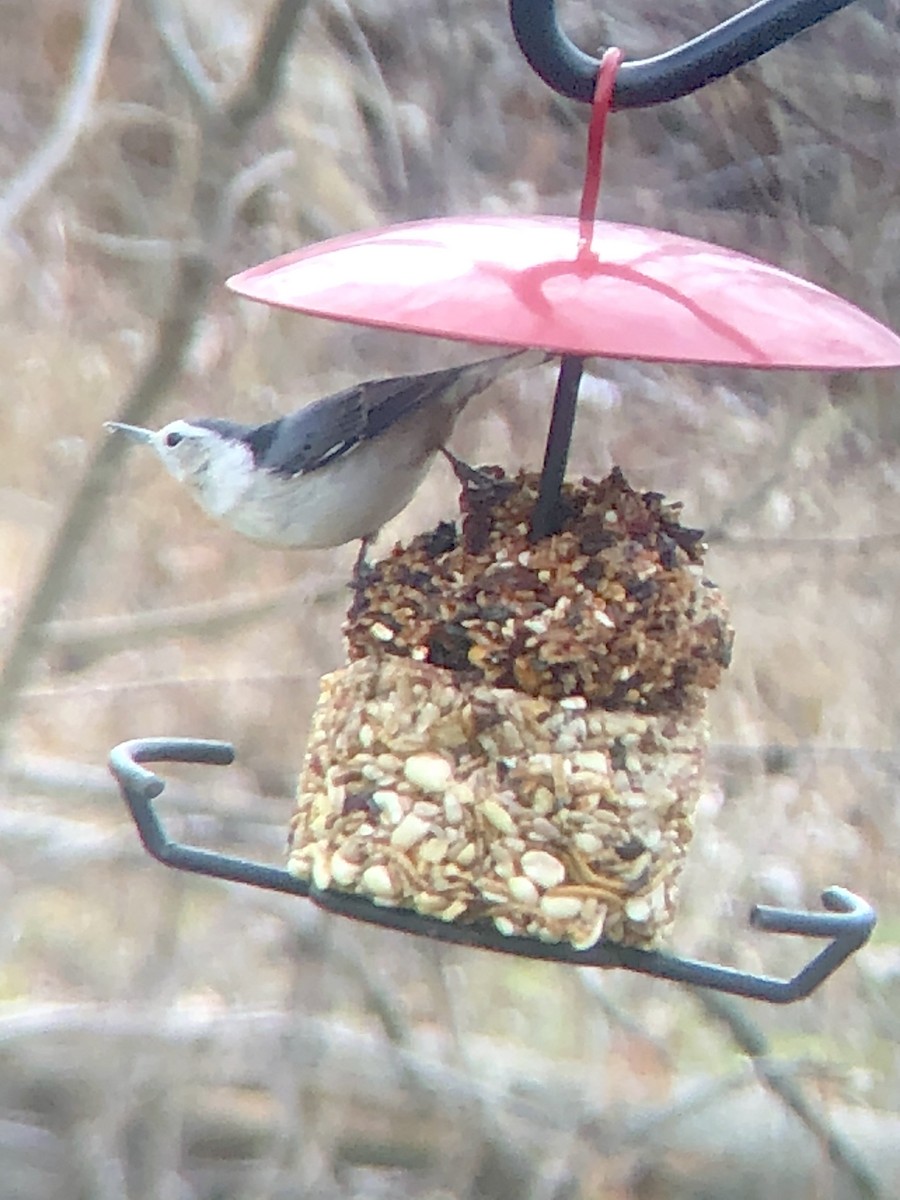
{"points": [[133, 431]]}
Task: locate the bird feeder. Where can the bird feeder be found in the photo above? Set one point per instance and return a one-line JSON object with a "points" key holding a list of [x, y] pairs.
{"points": [[577, 287]]}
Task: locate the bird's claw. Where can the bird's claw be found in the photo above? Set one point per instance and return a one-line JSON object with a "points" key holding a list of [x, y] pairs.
{"points": [[469, 477]]}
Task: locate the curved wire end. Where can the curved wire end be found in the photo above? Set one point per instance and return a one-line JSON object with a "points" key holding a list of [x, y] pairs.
{"points": [[125, 760], [140, 787], [847, 915], [846, 924]]}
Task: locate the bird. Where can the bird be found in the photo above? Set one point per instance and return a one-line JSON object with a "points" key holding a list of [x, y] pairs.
{"points": [[336, 470]]}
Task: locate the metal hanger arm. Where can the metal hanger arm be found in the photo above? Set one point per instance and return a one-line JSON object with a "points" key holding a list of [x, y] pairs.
{"points": [[667, 76], [847, 923]]}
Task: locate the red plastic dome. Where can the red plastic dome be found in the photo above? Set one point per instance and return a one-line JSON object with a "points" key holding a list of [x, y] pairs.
{"points": [[579, 287], [636, 293]]}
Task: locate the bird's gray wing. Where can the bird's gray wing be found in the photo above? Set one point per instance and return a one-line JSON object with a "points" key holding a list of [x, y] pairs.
{"points": [[333, 426]]}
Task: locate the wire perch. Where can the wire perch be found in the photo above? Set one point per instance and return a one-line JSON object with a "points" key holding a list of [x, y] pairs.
{"points": [[846, 924]]}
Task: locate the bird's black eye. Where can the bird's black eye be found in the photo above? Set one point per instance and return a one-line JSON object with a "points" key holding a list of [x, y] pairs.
{"points": [[172, 439]]}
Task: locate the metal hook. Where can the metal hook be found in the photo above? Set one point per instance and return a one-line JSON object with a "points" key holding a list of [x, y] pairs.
{"points": [[668, 76], [847, 923]]}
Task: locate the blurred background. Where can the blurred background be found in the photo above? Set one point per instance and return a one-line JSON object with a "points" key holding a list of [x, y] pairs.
{"points": [[169, 1038]]}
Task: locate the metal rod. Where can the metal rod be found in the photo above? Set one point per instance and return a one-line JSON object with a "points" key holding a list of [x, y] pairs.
{"points": [[140, 787], [546, 518], [848, 923], [668, 76]]}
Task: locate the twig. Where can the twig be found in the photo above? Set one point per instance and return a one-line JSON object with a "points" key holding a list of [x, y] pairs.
{"points": [[174, 39], [785, 752], [241, 820], [645, 1128], [172, 342], [57, 777], [832, 137], [196, 273], [358, 1062], [375, 100], [342, 950], [127, 687], [61, 842], [252, 178], [126, 114], [863, 544], [264, 76], [73, 116], [779, 1080], [130, 247], [92, 637], [595, 987]]}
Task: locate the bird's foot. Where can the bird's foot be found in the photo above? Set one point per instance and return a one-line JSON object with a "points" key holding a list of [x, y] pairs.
{"points": [[481, 494], [362, 572], [469, 477]]}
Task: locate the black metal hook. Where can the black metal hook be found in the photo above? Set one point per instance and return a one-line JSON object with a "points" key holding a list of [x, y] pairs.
{"points": [[847, 923], [668, 76]]}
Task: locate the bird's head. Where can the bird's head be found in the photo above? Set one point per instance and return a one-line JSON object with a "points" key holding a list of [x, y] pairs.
{"points": [[210, 457], [186, 449]]}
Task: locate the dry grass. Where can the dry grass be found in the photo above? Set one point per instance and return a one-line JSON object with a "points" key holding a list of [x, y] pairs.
{"points": [[165, 1036]]}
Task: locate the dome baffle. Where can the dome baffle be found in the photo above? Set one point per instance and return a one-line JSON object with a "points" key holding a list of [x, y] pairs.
{"points": [[633, 293]]}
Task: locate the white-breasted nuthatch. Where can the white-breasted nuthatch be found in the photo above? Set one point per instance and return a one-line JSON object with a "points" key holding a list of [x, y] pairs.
{"points": [[334, 471]]}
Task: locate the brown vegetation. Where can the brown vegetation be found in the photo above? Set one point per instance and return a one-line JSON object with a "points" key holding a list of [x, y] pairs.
{"points": [[164, 1036]]}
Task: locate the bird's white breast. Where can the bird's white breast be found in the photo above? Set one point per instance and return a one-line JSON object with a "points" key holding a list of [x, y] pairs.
{"points": [[223, 481], [349, 498]]}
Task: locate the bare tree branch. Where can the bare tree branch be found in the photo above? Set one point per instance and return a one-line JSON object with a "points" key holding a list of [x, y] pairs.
{"points": [[257, 175], [125, 246], [196, 274], [864, 543], [92, 637], [595, 987], [779, 1080], [377, 104], [156, 683], [264, 77], [173, 36], [162, 369], [62, 779], [73, 115], [356, 1058]]}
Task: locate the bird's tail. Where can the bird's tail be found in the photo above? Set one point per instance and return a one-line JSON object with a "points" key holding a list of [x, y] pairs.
{"points": [[463, 383]]}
